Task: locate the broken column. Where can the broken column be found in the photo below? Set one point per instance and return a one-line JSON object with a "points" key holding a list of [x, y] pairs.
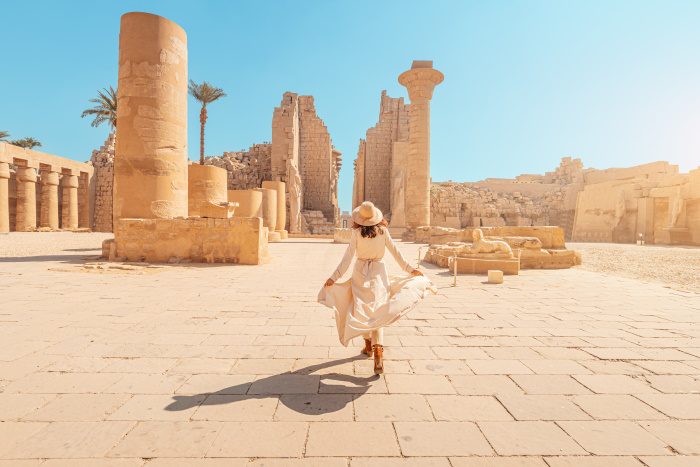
{"points": [[4, 197], [49, 200], [281, 221], [26, 199], [69, 205], [208, 196], [249, 202], [420, 81], [150, 167], [269, 213]]}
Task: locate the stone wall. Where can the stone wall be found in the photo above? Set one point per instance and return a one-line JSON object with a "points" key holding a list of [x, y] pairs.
{"points": [[102, 160], [300, 143], [652, 200], [527, 200], [316, 160], [377, 148], [239, 240], [246, 169]]}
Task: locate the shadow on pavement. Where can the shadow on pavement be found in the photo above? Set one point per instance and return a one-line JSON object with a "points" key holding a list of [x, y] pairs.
{"points": [[276, 386]]}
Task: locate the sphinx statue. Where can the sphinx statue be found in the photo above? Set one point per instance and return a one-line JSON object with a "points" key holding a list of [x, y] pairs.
{"points": [[483, 246]]}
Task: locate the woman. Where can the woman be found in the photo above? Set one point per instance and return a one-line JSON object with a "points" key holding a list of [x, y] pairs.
{"points": [[369, 301]]}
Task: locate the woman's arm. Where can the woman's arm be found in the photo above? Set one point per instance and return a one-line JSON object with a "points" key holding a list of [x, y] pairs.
{"points": [[347, 258], [391, 246]]}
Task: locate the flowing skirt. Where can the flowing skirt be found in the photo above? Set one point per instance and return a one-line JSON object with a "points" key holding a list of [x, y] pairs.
{"points": [[371, 300]]}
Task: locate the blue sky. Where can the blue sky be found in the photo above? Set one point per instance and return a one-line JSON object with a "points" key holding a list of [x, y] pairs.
{"points": [[615, 83]]}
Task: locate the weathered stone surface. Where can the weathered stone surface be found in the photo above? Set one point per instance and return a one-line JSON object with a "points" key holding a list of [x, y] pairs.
{"points": [[420, 81], [150, 168], [207, 190], [235, 240], [249, 202], [102, 160]]}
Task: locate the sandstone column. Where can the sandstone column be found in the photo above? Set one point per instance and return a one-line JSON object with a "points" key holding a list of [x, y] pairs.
{"points": [[26, 199], [206, 185], [269, 213], [150, 163], [420, 81], [49, 200], [4, 197], [69, 211], [84, 201], [249, 202], [280, 188]]}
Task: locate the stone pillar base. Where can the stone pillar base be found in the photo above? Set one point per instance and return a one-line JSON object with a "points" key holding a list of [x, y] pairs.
{"points": [[194, 239], [283, 234], [273, 236]]}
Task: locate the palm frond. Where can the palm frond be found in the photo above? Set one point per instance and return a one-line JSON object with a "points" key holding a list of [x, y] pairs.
{"points": [[4, 135], [26, 143], [105, 109], [205, 92]]}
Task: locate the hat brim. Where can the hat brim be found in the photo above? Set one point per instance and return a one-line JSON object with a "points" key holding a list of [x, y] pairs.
{"points": [[376, 218]]}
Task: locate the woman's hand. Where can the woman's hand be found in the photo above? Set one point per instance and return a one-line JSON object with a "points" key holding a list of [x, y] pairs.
{"points": [[416, 272], [329, 282]]}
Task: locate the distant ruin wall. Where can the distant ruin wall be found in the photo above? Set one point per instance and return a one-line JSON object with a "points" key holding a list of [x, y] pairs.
{"points": [[246, 169], [391, 127], [103, 161], [527, 200], [301, 147], [316, 160]]}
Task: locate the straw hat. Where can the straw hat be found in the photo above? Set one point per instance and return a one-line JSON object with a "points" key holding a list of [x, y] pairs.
{"points": [[367, 214]]}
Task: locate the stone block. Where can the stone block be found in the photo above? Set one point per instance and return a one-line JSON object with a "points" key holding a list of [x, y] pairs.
{"points": [[234, 240], [482, 266], [495, 276]]}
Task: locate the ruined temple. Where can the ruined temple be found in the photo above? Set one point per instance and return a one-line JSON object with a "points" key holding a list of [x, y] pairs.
{"points": [[302, 155]]}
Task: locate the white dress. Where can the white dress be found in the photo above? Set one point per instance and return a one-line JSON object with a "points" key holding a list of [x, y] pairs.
{"points": [[371, 300]]}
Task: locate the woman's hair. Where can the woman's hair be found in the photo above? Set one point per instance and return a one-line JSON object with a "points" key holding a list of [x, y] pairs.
{"points": [[370, 231]]}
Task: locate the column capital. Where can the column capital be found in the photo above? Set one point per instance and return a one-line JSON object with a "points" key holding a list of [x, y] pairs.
{"points": [[49, 177], [420, 80], [70, 181], [26, 174]]}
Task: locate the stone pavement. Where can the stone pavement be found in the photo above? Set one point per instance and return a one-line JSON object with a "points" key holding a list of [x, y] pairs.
{"points": [[197, 365]]}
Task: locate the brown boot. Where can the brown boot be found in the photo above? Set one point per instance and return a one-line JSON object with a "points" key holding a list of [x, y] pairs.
{"points": [[368, 348], [378, 359]]}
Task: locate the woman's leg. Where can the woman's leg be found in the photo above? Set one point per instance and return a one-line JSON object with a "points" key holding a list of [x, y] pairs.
{"points": [[368, 344], [378, 336], [378, 350]]}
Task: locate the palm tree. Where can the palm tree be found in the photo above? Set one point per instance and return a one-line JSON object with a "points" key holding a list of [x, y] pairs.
{"points": [[205, 93], [4, 135], [26, 143], [105, 109]]}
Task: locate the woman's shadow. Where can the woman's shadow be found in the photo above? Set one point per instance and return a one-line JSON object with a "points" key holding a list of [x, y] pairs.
{"points": [[275, 388]]}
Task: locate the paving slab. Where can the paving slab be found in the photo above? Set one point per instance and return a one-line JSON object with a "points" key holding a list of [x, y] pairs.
{"points": [[555, 368]]}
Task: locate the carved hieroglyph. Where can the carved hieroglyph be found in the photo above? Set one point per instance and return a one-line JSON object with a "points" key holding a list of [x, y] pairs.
{"points": [[420, 81], [150, 167]]}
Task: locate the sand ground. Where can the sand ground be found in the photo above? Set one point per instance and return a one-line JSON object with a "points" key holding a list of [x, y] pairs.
{"points": [[676, 267], [213, 365]]}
